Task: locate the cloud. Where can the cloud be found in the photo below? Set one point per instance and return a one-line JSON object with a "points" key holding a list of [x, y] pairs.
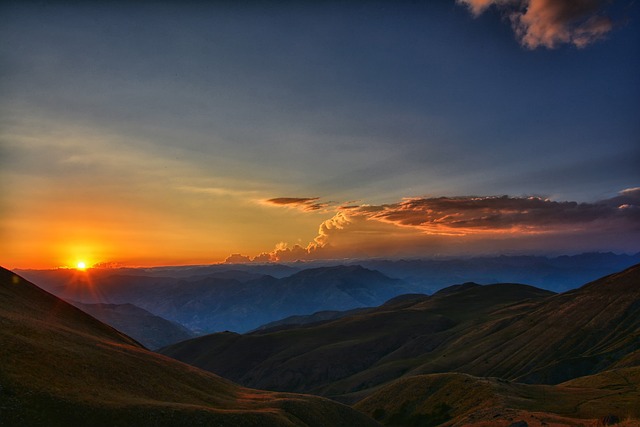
{"points": [[237, 259], [478, 6], [470, 224], [461, 215], [305, 204], [549, 23], [627, 198]]}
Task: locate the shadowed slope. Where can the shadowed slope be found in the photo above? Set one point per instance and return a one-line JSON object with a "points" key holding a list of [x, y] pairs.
{"points": [[59, 366]]}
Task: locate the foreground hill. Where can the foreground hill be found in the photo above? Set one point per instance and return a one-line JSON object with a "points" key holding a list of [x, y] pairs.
{"points": [[150, 330], [465, 400], [61, 367], [510, 331]]}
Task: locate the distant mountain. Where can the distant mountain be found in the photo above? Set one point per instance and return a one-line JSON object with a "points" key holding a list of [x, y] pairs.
{"points": [[62, 367], [242, 297], [240, 272], [214, 303], [558, 274], [511, 331], [148, 329]]}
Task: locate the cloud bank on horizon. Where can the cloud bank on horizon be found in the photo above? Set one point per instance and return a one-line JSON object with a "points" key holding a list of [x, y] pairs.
{"points": [[550, 23], [450, 223]]}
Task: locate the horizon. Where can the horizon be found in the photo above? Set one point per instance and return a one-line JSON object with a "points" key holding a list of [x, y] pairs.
{"points": [[322, 263], [141, 135]]}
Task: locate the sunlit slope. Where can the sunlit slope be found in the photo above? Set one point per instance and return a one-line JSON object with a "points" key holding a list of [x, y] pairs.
{"points": [[59, 366], [577, 333], [464, 400]]}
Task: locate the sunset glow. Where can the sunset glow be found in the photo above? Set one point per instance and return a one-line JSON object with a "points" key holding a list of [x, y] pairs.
{"points": [[277, 133], [81, 265]]}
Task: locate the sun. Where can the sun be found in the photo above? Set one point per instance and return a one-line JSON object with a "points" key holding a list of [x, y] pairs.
{"points": [[81, 265]]}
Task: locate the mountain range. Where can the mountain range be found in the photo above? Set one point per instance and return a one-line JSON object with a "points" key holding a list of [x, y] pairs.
{"points": [[463, 356], [235, 300], [243, 297]]}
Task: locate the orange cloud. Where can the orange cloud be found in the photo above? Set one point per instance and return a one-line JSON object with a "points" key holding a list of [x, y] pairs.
{"points": [[456, 215], [466, 224], [237, 259], [549, 23]]}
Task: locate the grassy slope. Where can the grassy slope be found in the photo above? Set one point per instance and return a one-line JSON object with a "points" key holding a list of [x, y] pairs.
{"points": [[461, 399], [569, 335], [59, 366]]}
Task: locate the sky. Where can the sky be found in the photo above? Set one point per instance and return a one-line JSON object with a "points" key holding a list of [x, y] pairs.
{"points": [[166, 133]]}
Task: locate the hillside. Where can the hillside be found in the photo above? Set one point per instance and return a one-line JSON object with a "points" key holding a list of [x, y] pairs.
{"points": [[323, 358], [150, 330], [61, 367], [515, 332], [573, 334], [465, 400], [306, 319]]}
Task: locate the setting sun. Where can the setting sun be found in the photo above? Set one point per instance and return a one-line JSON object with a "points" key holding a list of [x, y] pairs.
{"points": [[81, 265]]}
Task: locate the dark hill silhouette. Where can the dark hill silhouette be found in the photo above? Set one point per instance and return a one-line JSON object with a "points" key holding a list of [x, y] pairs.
{"points": [[456, 288], [60, 367], [315, 318]]}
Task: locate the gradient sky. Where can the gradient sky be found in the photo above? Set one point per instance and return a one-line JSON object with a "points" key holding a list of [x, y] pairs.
{"points": [[180, 133]]}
